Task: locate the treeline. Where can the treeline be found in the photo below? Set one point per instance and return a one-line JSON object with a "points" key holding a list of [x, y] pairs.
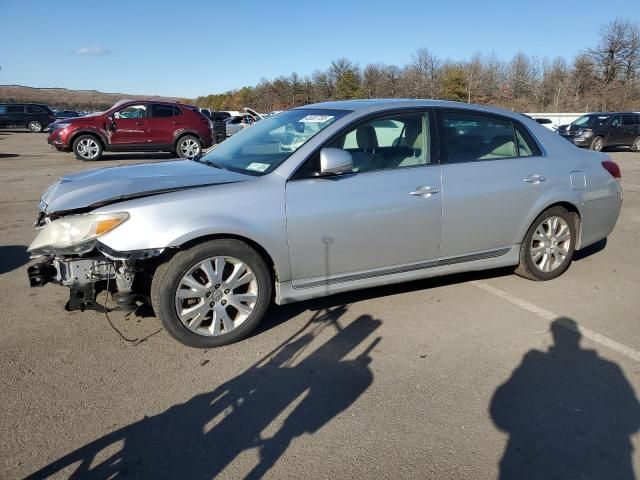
{"points": [[604, 77]]}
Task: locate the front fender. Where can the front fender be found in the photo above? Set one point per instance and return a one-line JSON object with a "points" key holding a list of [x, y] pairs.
{"points": [[253, 210]]}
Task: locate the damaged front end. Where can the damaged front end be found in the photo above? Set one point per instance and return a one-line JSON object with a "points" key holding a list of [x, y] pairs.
{"points": [[69, 254]]}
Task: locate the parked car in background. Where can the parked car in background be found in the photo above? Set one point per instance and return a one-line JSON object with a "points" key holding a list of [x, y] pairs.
{"points": [[357, 203], [239, 122], [546, 122], [134, 125], [34, 116], [67, 114], [607, 129]]}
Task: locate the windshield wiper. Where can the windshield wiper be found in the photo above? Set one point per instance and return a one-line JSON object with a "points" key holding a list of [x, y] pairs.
{"points": [[216, 165]]}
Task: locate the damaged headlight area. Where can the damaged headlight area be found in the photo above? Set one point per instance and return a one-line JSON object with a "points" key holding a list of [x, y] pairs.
{"points": [[74, 233], [71, 255]]}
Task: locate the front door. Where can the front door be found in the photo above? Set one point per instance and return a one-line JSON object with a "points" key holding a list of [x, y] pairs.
{"points": [[492, 175], [616, 131], [384, 214], [129, 126]]}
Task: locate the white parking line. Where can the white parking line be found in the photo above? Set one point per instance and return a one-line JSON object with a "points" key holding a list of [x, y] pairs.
{"points": [[547, 315]]}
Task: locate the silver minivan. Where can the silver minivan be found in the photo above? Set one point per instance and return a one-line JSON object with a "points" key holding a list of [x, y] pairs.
{"points": [[323, 199]]}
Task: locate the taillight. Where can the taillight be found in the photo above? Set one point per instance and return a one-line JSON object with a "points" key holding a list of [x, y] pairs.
{"points": [[613, 168]]}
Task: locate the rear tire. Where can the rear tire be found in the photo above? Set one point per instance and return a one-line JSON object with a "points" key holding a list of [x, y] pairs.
{"points": [[211, 295], [597, 144], [636, 145], [35, 126], [188, 146], [87, 148], [548, 247]]}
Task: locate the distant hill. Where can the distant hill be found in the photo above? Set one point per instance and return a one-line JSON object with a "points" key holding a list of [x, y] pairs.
{"points": [[62, 98]]}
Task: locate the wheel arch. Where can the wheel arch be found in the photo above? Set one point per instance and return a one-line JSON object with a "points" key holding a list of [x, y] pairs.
{"points": [[262, 251], [93, 133], [571, 207], [183, 133]]}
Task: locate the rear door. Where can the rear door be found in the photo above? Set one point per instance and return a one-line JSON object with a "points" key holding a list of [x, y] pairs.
{"points": [[16, 116], [492, 174], [129, 126], [162, 123]]}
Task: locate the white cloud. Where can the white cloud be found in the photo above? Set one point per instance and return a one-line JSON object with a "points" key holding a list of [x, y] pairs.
{"points": [[92, 51]]}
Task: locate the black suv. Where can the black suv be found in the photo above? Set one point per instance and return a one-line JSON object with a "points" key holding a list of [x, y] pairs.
{"points": [[608, 129], [34, 116]]}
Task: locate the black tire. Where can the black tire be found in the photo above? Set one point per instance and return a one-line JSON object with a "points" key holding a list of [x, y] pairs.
{"points": [[169, 274], [527, 267], [83, 152], [184, 146], [35, 126], [635, 146], [597, 144]]}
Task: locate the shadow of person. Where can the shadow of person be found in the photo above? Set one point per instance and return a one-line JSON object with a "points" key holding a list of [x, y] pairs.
{"points": [[200, 438], [569, 413], [12, 257]]}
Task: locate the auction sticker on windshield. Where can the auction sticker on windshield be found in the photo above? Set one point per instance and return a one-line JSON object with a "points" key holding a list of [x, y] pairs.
{"points": [[258, 167], [317, 118]]}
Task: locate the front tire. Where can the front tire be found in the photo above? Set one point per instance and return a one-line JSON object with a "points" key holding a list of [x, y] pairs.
{"points": [[548, 247], [636, 145], [35, 126], [597, 144], [212, 294], [188, 147], [87, 148]]}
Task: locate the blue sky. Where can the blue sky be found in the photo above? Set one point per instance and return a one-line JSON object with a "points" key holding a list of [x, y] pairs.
{"points": [[193, 48]]}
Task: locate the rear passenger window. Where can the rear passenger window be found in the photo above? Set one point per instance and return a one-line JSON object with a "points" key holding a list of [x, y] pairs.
{"points": [[526, 146], [15, 109], [628, 120], [32, 109], [468, 137], [163, 111]]}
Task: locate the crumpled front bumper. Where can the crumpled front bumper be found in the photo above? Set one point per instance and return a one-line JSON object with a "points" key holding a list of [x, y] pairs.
{"points": [[79, 274]]}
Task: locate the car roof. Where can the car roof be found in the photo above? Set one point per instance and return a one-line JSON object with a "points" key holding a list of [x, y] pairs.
{"points": [[380, 104]]}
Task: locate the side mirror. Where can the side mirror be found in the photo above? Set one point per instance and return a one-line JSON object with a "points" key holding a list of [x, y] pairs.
{"points": [[334, 161]]}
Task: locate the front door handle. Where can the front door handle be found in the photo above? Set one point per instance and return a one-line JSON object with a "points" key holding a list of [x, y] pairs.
{"points": [[535, 179], [424, 191], [139, 123]]}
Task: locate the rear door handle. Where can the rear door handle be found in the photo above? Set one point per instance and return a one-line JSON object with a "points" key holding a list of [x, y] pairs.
{"points": [[139, 123], [424, 191], [535, 179], [176, 123]]}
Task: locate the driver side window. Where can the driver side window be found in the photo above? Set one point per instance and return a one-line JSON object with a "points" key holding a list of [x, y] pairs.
{"points": [[615, 122], [397, 141], [132, 111]]}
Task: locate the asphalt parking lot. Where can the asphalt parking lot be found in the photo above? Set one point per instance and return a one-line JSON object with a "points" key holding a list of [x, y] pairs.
{"points": [[458, 377]]}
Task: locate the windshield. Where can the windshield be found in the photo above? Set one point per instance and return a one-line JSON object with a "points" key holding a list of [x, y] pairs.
{"points": [[259, 149], [591, 120]]}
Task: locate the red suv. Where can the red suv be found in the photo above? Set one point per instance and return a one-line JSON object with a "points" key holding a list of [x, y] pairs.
{"points": [[134, 125]]}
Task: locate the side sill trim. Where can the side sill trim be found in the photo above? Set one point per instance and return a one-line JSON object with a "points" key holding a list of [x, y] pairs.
{"points": [[403, 269]]}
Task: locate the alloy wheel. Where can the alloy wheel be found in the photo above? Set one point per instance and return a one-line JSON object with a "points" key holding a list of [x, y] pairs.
{"points": [[189, 148], [550, 244], [216, 296], [598, 144], [88, 148], [35, 127]]}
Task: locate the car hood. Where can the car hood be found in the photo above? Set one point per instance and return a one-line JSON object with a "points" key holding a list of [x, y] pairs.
{"points": [[95, 188]]}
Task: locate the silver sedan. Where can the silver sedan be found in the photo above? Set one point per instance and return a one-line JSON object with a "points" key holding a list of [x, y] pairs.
{"points": [[319, 200]]}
